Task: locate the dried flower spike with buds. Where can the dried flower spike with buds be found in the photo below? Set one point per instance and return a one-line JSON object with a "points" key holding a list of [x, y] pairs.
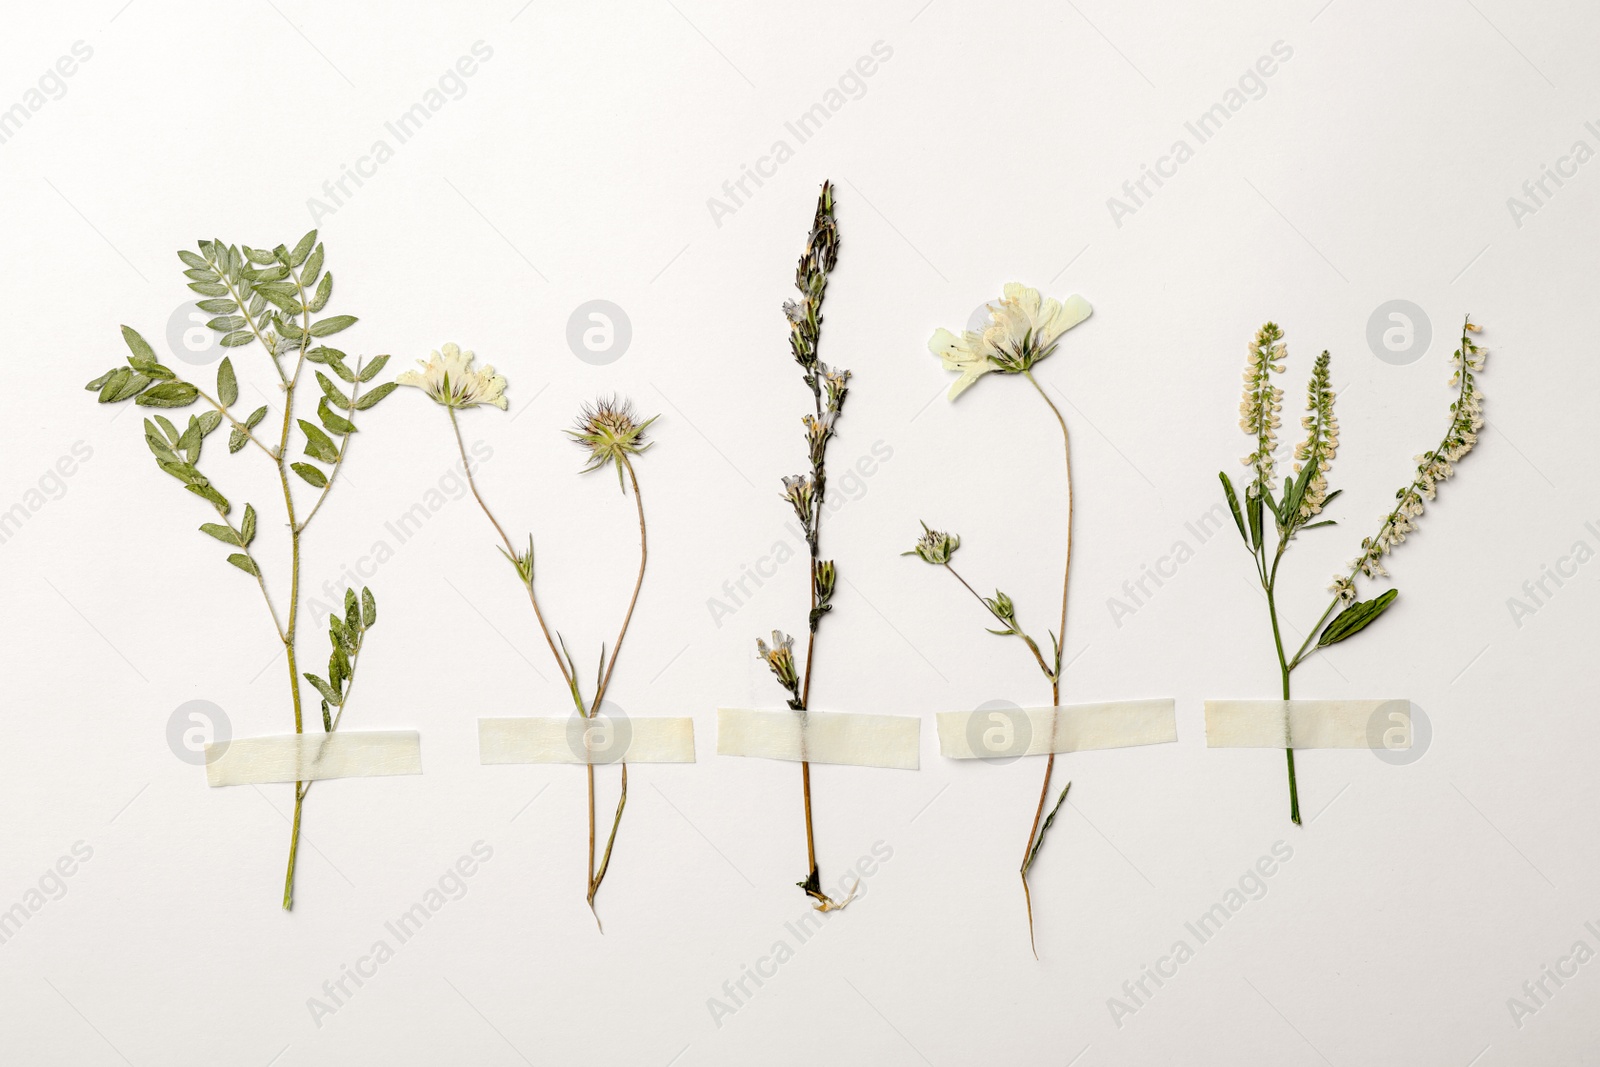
{"points": [[266, 296], [613, 435], [1305, 492], [1023, 329], [806, 493]]}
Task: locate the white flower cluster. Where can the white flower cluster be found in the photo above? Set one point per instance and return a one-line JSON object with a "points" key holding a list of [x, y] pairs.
{"points": [[1432, 468], [1322, 438], [1258, 411]]}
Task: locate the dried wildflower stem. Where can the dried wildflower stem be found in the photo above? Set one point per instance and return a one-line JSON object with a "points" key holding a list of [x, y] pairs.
{"points": [[610, 452], [1055, 675]]}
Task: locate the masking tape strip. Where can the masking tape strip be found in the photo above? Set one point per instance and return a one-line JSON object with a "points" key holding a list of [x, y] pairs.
{"points": [[845, 738], [1004, 733], [311, 757], [571, 739], [1376, 724]]}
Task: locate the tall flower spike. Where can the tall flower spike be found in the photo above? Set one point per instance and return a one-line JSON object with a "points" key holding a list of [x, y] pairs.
{"points": [[1023, 329], [447, 376], [811, 278], [1433, 467], [611, 431], [1322, 439], [1258, 411]]}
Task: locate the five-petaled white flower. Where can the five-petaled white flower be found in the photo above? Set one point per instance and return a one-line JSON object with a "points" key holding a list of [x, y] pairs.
{"points": [[1022, 329], [447, 376]]}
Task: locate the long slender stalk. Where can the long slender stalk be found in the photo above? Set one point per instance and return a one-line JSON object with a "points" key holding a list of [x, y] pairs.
{"points": [[1055, 676]]}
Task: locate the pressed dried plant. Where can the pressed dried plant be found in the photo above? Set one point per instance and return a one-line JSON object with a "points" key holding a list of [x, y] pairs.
{"points": [[1023, 329], [807, 494], [613, 435], [1304, 493], [265, 298]]}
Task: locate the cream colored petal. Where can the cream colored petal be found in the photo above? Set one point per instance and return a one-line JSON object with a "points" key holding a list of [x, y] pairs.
{"points": [[1065, 316], [1025, 298]]}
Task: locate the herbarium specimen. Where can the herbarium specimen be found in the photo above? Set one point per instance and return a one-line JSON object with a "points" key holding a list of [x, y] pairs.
{"points": [[1304, 492], [612, 435], [265, 297], [807, 493], [1022, 330]]}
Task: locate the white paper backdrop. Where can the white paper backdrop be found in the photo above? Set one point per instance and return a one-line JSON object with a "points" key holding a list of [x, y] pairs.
{"points": [[579, 161]]}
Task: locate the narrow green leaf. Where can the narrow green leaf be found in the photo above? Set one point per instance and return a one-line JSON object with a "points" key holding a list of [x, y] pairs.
{"points": [[1045, 826], [312, 267], [369, 608], [209, 288], [319, 299], [247, 528], [1233, 505], [190, 259], [327, 327], [204, 489], [310, 474], [170, 395], [368, 400], [1252, 510], [220, 532], [1355, 618], [334, 393], [237, 439], [318, 444], [303, 249], [335, 425], [138, 345], [329, 693], [217, 307], [256, 416], [370, 371], [209, 421], [227, 383], [244, 563]]}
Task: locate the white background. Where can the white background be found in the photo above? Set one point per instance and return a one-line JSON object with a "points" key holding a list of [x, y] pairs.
{"points": [[577, 164]]}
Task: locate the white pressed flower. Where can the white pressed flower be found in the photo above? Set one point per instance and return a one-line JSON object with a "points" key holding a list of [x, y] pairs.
{"points": [[1023, 328], [447, 376], [1258, 410]]}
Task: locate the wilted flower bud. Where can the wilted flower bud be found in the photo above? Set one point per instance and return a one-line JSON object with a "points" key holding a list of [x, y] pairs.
{"points": [[780, 657], [827, 574]]}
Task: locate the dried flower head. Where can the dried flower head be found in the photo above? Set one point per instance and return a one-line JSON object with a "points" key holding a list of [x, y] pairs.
{"points": [[800, 490], [934, 546], [837, 384], [611, 431], [1258, 411], [1023, 329], [819, 428], [780, 658], [447, 376]]}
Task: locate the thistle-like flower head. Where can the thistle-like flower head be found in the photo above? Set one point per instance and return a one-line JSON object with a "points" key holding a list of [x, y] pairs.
{"points": [[1023, 329], [934, 546], [447, 376], [611, 431]]}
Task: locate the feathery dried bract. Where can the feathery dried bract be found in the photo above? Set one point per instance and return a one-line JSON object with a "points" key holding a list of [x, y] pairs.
{"points": [[611, 431], [934, 546]]}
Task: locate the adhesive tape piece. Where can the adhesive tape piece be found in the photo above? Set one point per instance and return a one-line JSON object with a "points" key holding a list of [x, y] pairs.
{"points": [[574, 739], [1012, 732], [311, 757], [1308, 724], [843, 738]]}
